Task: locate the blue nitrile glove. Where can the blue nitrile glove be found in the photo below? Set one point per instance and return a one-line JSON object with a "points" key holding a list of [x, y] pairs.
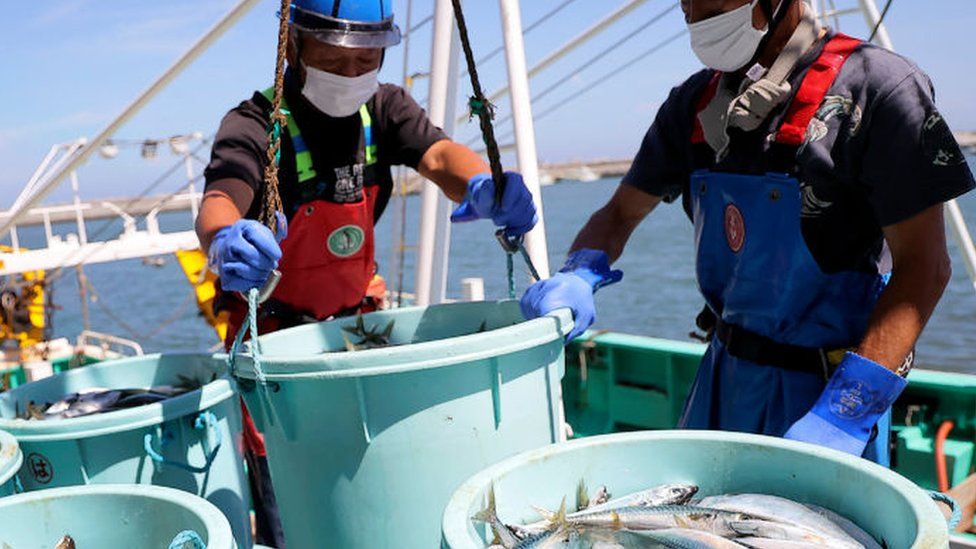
{"points": [[245, 253], [856, 397], [585, 272], [517, 212]]}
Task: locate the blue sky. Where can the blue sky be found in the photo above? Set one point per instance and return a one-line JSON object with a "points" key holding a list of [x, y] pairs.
{"points": [[71, 65]]}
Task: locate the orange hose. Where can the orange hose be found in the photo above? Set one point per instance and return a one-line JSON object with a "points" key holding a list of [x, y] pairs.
{"points": [[940, 460]]}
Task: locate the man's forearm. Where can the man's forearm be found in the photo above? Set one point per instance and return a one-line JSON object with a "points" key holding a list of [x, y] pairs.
{"points": [[611, 226], [902, 312], [224, 202], [450, 166]]}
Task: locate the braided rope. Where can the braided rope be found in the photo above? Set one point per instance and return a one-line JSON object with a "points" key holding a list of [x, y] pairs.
{"points": [[278, 119], [481, 107]]}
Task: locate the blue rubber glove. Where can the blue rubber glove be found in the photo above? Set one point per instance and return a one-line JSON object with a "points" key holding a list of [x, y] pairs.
{"points": [[245, 253], [856, 397], [516, 214], [585, 272]]}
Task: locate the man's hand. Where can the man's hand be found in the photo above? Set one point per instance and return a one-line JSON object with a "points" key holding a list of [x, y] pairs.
{"points": [[516, 213], [572, 287], [858, 394], [245, 253]]}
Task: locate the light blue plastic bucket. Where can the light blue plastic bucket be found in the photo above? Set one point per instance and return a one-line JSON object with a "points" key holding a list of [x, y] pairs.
{"points": [[366, 447], [885, 504], [147, 517], [189, 442], [10, 460]]}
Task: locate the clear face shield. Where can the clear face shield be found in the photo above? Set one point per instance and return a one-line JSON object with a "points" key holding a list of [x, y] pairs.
{"points": [[346, 33]]}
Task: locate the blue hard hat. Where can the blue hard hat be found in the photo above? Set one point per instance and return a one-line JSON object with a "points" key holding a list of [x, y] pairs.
{"points": [[348, 23]]}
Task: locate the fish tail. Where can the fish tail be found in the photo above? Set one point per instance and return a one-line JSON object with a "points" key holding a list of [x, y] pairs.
{"points": [[488, 513], [582, 498]]}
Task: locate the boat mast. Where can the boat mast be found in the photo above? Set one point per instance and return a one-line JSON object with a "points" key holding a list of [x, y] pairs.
{"points": [[435, 212], [525, 149]]}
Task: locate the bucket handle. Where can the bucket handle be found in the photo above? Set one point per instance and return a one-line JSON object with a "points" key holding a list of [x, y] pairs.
{"points": [[956, 517], [187, 539], [210, 440]]}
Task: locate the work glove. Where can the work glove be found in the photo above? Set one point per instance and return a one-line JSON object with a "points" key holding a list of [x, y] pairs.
{"points": [[585, 272], [856, 397], [245, 253], [516, 213]]}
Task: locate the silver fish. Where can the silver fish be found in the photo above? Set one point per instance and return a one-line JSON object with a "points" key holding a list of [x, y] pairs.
{"points": [[848, 526], [666, 494], [601, 496], [785, 532], [680, 538], [777, 509], [503, 536], [659, 517], [766, 543]]}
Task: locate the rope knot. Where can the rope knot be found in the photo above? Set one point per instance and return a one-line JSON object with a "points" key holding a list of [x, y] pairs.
{"points": [[480, 107]]}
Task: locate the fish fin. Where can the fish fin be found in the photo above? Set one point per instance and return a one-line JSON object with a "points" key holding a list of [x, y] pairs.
{"points": [[388, 331], [561, 515], [349, 345], [582, 498], [545, 513], [488, 513]]}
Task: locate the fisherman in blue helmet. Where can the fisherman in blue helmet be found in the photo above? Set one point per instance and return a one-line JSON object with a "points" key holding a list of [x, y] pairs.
{"points": [[344, 131], [814, 167]]}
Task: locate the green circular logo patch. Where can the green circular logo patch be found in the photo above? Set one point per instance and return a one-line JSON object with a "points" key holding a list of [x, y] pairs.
{"points": [[346, 240]]}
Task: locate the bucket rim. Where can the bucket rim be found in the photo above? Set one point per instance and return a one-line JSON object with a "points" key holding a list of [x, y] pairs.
{"points": [[218, 532], [424, 355], [454, 524], [208, 396], [11, 457]]}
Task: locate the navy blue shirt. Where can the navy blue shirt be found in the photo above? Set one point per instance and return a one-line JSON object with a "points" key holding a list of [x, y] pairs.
{"points": [[876, 153]]}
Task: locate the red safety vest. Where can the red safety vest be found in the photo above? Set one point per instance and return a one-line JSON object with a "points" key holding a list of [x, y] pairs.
{"points": [[328, 262], [807, 99]]}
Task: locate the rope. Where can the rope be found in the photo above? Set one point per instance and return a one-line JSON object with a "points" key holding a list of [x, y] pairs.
{"points": [[589, 63], [481, 107], [881, 19], [278, 119], [956, 516], [252, 327], [485, 112]]}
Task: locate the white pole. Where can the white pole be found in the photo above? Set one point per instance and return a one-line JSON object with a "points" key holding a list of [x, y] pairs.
{"points": [[957, 223], [184, 61], [435, 229], [191, 189], [79, 218], [525, 150], [963, 238], [29, 187], [872, 16]]}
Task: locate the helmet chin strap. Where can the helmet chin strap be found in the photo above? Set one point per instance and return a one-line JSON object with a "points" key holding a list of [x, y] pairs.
{"points": [[774, 18]]}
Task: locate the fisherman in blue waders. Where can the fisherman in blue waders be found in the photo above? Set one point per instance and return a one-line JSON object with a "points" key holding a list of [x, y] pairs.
{"points": [[814, 168], [344, 132]]}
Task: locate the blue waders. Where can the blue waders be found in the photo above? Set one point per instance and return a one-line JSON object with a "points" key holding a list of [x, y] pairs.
{"points": [[770, 297]]}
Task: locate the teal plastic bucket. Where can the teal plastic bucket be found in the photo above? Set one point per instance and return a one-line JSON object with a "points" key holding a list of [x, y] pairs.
{"points": [[885, 504], [366, 447], [10, 460], [147, 517], [189, 442]]}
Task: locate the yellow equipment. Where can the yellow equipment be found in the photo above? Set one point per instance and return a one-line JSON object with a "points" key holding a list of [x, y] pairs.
{"points": [[194, 265]]}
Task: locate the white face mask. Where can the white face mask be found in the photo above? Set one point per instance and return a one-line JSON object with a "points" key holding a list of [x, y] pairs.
{"points": [[338, 96], [728, 41]]}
